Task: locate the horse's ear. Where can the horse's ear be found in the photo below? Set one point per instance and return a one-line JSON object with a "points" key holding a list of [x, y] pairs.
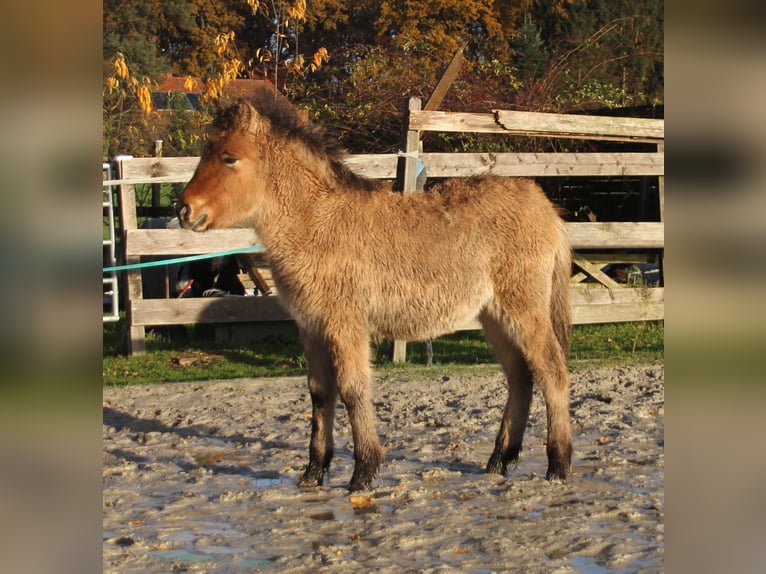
{"points": [[250, 120]]}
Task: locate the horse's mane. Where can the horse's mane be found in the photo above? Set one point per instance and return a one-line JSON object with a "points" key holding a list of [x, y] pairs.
{"points": [[285, 123]]}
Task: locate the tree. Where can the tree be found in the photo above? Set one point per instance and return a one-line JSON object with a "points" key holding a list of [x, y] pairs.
{"points": [[353, 63], [442, 27]]}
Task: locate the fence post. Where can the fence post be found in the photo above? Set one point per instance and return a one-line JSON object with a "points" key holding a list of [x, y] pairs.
{"points": [[133, 282], [408, 171], [661, 193], [156, 187]]}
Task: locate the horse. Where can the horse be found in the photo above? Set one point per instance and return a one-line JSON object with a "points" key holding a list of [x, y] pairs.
{"points": [[355, 261]]}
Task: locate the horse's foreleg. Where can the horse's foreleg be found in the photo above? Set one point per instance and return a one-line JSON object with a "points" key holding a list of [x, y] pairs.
{"points": [[324, 394], [516, 413], [352, 366]]}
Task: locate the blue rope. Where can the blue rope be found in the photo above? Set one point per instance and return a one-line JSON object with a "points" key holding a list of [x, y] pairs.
{"points": [[183, 259]]}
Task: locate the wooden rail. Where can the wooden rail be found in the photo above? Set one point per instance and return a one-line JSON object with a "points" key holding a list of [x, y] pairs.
{"points": [[595, 297]]}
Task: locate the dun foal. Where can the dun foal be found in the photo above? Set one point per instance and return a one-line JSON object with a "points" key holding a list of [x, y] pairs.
{"points": [[353, 260]]}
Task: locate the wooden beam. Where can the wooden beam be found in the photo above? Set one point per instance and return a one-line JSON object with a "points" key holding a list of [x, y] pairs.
{"points": [[445, 81], [383, 166], [543, 164], [434, 121], [157, 168], [374, 166], [616, 235], [408, 168], [542, 124], [581, 126], [186, 241], [595, 272], [583, 235], [595, 304], [189, 311]]}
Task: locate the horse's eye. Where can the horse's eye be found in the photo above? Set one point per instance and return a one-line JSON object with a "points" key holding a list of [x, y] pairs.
{"points": [[229, 160]]}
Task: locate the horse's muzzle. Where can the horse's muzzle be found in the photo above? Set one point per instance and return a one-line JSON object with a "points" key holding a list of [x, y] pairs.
{"points": [[183, 212]]}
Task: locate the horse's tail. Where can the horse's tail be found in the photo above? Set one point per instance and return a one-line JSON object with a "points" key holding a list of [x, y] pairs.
{"points": [[561, 312]]}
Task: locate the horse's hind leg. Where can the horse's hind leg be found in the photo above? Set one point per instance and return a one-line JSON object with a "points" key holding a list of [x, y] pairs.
{"points": [[324, 395], [546, 361], [519, 381]]}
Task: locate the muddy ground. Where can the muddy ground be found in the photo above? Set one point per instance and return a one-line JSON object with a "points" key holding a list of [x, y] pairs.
{"points": [[202, 477]]}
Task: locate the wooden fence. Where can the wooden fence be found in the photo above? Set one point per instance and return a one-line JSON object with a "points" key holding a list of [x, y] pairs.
{"points": [[595, 296]]}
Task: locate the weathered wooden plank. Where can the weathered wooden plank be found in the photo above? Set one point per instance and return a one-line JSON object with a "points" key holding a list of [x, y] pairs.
{"points": [[132, 281], [409, 162], [599, 305], [616, 235], [541, 124], [585, 235], [543, 164], [445, 81], [595, 271], [595, 305], [595, 294], [187, 242], [383, 166], [373, 165], [435, 121], [207, 310], [580, 126], [158, 169], [618, 312]]}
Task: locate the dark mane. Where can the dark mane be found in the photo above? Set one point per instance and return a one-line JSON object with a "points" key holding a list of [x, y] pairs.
{"points": [[286, 123]]}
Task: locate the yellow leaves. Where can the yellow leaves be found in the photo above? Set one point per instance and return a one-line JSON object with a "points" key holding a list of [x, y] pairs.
{"points": [[297, 11], [263, 55], [320, 56], [189, 84], [140, 90], [221, 42], [254, 5], [229, 70], [120, 67], [144, 99]]}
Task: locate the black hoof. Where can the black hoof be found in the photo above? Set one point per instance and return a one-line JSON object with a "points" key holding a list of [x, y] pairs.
{"points": [[314, 476], [498, 464], [556, 475], [364, 475], [559, 464]]}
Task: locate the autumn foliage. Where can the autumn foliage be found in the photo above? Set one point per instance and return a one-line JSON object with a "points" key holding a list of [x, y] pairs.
{"points": [[352, 64]]}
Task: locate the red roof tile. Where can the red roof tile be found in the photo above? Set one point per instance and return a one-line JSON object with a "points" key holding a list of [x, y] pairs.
{"points": [[235, 88]]}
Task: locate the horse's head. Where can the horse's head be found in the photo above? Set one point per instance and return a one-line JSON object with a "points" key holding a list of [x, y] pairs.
{"points": [[229, 183]]}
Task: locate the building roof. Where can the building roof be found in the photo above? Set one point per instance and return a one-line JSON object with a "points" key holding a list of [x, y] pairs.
{"points": [[235, 88], [192, 88]]}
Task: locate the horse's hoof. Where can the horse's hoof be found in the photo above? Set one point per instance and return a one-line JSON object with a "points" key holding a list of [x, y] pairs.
{"points": [[498, 464], [559, 464], [361, 480], [357, 485], [312, 477], [557, 473], [495, 465]]}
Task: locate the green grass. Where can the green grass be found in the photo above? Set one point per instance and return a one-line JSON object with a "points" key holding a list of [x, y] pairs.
{"points": [[200, 358]]}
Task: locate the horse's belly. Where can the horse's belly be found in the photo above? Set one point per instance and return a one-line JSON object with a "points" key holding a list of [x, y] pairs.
{"points": [[419, 318]]}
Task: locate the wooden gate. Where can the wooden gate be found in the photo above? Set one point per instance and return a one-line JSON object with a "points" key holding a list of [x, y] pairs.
{"points": [[596, 297]]}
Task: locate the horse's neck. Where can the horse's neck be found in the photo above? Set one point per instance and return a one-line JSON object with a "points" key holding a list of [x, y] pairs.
{"points": [[290, 213]]}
